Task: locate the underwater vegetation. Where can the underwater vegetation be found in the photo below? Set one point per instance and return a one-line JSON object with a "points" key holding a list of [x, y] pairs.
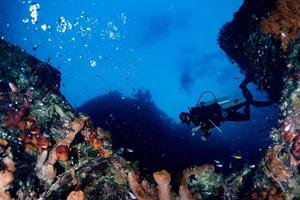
{"points": [[50, 151]]}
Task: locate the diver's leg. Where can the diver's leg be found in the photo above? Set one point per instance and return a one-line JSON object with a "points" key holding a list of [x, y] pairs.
{"points": [[236, 107], [261, 103], [245, 82], [237, 116], [247, 94]]}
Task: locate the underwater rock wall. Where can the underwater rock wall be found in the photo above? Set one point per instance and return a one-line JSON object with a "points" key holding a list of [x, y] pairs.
{"points": [[47, 150], [263, 39], [259, 56]]}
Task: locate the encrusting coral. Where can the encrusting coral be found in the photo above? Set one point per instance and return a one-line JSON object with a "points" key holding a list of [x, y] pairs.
{"points": [[142, 189], [6, 174], [187, 173], [196, 183], [98, 140], [76, 195], [45, 170], [11, 119], [271, 193], [275, 166], [163, 180], [284, 21], [52, 153]]}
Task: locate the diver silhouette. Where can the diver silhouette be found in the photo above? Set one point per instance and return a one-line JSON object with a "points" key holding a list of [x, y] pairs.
{"points": [[209, 115]]}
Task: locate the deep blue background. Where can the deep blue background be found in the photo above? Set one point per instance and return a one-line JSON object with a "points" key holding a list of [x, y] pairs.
{"points": [[167, 47]]}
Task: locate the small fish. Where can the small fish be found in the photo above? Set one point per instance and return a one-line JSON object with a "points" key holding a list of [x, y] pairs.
{"points": [[132, 196], [35, 47], [129, 150], [230, 165], [120, 151], [289, 127], [12, 87], [283, 35], [238, 157], [219, 165], [216, 161], [252, 166]]}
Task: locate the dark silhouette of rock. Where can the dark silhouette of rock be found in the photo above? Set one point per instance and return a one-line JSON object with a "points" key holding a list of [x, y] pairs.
{"points": [[259, 55], [156, 140]]}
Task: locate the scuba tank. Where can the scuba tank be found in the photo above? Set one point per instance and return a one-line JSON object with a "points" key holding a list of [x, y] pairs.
{"points": [[224, 102], [211, 113]]}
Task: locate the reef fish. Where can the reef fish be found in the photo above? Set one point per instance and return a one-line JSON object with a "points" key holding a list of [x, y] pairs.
{"points": [[219, 165], [252, 166], [238, 157], [131, 196], [216, 161], [129, 150]]}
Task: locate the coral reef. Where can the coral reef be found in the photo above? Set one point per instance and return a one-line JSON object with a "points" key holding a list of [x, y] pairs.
{"points": [[259, 56], [284, 21], [199, 182], [48, 150], [76, 195], [275, 166], [277, 176], [163, 180], [45, 169], [7, 173], [268, 193], [142, 189]]}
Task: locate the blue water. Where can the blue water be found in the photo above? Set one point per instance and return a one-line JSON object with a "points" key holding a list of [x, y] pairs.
{"points": [[167, 47]]}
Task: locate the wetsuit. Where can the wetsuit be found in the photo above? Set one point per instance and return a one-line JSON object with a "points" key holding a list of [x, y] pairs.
{"points": [[207, 117]]}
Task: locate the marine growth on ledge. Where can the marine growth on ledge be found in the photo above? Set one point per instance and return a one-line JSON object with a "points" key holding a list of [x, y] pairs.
{"points": [[150, 100]]}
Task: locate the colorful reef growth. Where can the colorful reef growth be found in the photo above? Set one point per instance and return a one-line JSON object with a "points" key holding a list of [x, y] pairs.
{"points": [[49, 151], [284, 21], [272, 26]]}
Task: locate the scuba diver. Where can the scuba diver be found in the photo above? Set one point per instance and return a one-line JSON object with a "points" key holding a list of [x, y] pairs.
{"points": [[209, 115]]}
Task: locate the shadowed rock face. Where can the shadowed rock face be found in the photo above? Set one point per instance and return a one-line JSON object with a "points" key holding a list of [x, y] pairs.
{"points": [[259, 55], [156, 140], [137, 124]]}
